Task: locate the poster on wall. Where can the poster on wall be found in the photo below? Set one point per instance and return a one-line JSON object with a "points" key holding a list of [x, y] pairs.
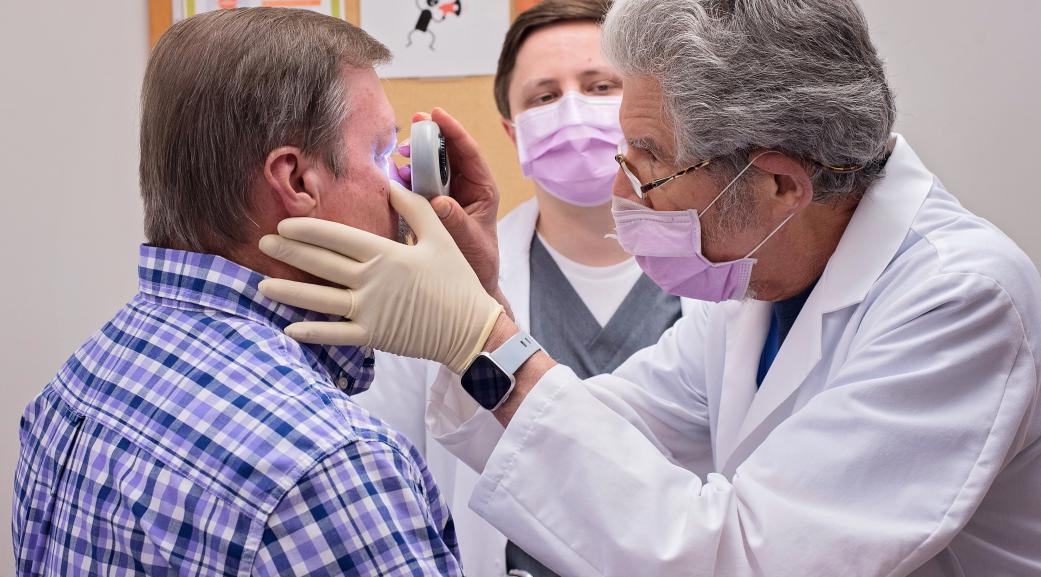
{"points": [[438, 38], [185, 8]]}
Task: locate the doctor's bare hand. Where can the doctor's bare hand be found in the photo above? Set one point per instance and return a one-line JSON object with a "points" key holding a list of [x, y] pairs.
{"points": [[422, 301], [470, 213]]}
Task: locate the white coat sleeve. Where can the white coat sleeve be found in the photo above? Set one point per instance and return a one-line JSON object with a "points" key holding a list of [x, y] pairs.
{"points": [[872, 477], [670, 411], [458, 423]]}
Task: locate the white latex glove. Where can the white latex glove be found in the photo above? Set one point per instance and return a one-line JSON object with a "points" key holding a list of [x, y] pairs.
{"points": [[419, 301]]}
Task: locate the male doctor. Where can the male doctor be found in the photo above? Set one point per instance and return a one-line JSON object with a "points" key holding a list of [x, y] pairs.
{"points": [[863, 399]]}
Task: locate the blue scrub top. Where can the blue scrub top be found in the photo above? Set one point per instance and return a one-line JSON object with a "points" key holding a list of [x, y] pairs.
{"points": [[784, 314]]}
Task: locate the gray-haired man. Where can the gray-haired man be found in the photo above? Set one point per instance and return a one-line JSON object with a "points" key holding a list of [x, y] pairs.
{"points": [[864, 398]]}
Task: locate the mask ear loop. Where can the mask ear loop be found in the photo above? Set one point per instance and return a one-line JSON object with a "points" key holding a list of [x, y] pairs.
{"points": [[776, 229], [736, 178], [739, 175], [769, 236]]}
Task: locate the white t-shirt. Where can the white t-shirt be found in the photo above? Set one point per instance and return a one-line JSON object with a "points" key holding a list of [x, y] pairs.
{"points": [[601, 288]]}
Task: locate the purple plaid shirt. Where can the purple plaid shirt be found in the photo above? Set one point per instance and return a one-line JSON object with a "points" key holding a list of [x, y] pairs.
{"points": [[189, 436]]}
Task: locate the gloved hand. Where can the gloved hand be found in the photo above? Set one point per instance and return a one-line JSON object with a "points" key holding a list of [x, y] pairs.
{"points": [[419, 301]]}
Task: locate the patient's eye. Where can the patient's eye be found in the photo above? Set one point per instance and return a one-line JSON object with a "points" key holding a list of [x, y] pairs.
{"points": [[383, 150], [381, 158], [383, 147]]}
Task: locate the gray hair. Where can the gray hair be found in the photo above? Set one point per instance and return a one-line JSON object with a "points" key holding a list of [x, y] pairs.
{"points": [[224, 89], [797, 76]]}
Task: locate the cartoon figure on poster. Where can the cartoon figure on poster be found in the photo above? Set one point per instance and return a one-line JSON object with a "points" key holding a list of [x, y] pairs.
{"points": [[430, 12], [437, 38]]}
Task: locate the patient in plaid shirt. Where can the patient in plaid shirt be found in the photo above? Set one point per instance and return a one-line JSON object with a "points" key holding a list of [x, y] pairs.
{"points": [[189, 436]]}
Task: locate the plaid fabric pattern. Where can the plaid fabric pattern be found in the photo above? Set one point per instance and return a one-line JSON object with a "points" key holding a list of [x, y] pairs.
{"points": [[189, 436]]}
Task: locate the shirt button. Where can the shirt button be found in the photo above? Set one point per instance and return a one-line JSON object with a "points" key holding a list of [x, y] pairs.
{"points": [[342, 383]]}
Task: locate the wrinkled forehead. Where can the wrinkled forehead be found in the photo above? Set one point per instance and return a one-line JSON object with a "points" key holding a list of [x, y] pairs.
{"points": [[644, 118]]}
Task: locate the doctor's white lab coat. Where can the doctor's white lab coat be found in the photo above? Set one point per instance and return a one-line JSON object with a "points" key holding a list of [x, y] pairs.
{"points": [[897, 432], [399, 397]]}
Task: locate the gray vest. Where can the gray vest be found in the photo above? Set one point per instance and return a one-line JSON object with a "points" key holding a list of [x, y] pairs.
{"points": [[563, 325], [571, 335]]}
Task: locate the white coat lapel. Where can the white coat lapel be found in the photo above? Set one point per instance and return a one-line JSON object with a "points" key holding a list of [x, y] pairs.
{"points": [[515, 232], [746, 326], [875, 233], [799, 354]]}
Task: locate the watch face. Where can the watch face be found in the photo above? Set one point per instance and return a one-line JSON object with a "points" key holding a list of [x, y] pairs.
{"points": [[486, 382]]}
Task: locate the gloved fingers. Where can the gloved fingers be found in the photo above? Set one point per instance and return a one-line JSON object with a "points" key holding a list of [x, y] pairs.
{"points": [[331, 333], [348, 241], [416, 211], [318, 261], [318, 298], [401, 175]]}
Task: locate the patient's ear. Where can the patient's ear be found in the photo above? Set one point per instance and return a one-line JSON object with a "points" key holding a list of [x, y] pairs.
{"points": [[294, 179]]}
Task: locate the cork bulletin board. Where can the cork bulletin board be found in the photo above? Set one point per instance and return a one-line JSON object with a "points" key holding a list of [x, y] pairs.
{"points": [[469, 99]]}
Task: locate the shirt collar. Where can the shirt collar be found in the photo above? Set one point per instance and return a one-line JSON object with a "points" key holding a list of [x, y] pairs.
{"points": [[217, 283]]}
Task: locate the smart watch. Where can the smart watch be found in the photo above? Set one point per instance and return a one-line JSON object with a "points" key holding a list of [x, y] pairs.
{"points": [[490, 377]]}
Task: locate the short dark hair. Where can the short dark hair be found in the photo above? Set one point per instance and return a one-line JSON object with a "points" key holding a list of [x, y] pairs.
{"points": [[224, 89], [545, 13]]}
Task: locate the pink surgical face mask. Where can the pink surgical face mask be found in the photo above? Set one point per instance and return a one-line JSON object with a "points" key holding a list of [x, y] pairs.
{"points": [[568, 147], [667, 246]]}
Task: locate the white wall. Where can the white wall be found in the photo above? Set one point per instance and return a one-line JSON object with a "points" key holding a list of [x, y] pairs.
{"points": [[71, 219], [966, 75]]}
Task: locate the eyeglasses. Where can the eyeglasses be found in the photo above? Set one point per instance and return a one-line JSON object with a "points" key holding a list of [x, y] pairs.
{"points": [[641, 190]]}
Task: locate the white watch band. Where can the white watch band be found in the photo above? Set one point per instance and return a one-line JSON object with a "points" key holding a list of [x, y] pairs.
{"points": [[515, 351]]}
